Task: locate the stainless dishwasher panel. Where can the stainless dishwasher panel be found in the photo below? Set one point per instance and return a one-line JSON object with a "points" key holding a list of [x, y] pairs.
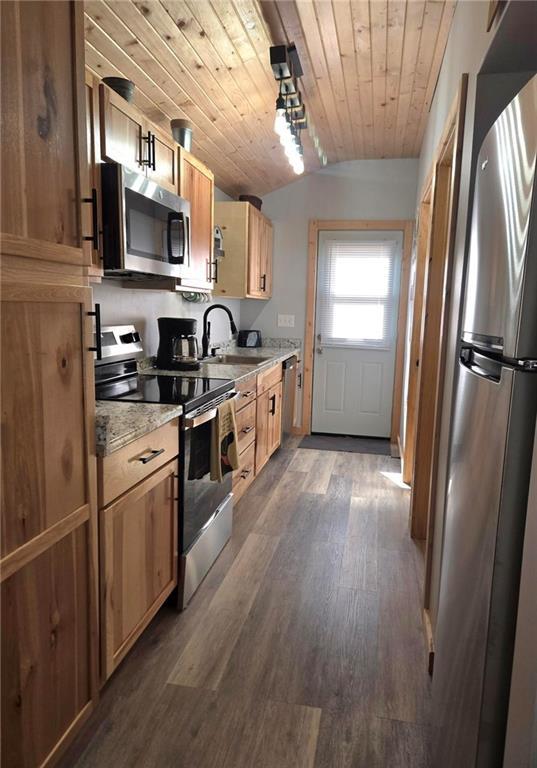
{"points": [[288, 395]]}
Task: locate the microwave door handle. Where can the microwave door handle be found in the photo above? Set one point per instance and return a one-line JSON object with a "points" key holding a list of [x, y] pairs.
{"points": [[173, 216]]}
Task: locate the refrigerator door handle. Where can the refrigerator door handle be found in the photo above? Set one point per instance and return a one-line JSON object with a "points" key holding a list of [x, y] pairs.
{"points": [[481, 365]]}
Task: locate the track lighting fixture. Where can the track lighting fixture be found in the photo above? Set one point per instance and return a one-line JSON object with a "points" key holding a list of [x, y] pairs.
{"points": [[290, 117]]}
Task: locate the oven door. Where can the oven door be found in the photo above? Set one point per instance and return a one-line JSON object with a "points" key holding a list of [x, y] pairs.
{"points": [[146, 228], [201, 495]]}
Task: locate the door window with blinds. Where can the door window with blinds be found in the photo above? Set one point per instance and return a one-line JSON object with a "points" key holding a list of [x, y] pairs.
{"points": [[357, 286]]}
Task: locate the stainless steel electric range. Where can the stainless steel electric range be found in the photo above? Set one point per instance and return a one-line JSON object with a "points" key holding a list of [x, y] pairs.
{"points": [[205, 507]]}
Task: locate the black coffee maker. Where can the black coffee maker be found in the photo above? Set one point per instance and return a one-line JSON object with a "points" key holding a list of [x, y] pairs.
{"points": [[178, 348]]}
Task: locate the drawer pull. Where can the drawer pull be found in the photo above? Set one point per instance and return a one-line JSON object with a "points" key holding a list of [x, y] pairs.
{"points": [[247, 429], [152, 455], [245, 473], [248, 394]]}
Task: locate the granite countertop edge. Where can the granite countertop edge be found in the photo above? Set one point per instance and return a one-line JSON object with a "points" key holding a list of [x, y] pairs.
{"points": [[118, 424]]}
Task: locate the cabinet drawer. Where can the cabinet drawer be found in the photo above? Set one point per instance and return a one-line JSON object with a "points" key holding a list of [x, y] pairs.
{"points": [[246, 427], [269, 378], [248, 392], [137, 460], [244, 476]]}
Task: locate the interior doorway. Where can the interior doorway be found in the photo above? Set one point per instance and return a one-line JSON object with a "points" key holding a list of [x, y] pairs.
{"points": [[429, 307], [357, 299], [386, 230]]}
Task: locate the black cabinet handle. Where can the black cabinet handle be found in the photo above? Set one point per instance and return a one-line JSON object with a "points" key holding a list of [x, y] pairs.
{"points": [[153, 152], [215, 275], [300, 381], [152, 455], [273, 409], [245, 473], [146, 161], [246, 430], [94, 237], [263, 283], [98, 348]]}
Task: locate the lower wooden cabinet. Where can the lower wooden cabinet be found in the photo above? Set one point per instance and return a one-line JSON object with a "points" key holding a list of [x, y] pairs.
{"points": [[46, 651], [269, 424], [138, 560]]}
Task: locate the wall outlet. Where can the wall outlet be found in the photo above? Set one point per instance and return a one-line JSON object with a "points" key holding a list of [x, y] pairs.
{"points": [[286, 321]]}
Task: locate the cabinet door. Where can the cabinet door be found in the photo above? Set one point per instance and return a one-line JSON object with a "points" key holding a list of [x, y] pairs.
{"points": [[46, 653], [122, 131], [263, 431], [139, 560], [196, 184], [255, 234], [91, 195], [48, 565], [43, 140], [163, 166], [275, 416], [44, 420]]}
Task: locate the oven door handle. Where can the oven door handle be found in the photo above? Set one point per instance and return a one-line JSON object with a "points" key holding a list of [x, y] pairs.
{"points": [[203, 418]]}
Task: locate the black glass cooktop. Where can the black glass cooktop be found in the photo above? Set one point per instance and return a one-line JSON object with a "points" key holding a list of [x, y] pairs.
{"points": [[190, 392]]}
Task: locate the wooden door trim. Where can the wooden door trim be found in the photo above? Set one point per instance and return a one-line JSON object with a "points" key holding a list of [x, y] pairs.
{"points": [[18, 245], [457, 141], [406, 226]]}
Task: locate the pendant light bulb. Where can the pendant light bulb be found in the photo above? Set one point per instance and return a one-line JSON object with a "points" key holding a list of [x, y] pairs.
{"points": [[280, 121]]}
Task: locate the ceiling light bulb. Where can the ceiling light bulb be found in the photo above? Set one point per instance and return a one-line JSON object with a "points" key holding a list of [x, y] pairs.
{"points": [[280, 125], [298, 166]]}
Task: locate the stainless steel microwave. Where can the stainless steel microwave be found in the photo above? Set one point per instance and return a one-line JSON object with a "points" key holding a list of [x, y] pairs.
{"points": [[146, 228]]}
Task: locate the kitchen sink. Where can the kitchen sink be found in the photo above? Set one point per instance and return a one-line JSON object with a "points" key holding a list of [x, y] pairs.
{"points": [[235, 360]]}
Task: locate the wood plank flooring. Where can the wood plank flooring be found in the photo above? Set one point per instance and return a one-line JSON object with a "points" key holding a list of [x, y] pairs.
{"points": [[303, 648]]}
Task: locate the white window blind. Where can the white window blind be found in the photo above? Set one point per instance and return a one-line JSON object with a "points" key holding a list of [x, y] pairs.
{"points": [[356, 301]]}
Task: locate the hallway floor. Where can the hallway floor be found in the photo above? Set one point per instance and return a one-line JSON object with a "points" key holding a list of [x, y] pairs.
{"points": [[303, 647]]}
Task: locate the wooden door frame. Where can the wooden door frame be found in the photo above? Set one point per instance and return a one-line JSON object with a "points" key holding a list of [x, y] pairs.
{"points": [[406, 226], [441, 193]]}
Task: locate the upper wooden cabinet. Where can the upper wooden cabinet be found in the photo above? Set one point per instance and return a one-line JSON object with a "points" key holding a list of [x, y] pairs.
{"points": [[196, 184], [130, 139], [43, 140], [246, 269]]}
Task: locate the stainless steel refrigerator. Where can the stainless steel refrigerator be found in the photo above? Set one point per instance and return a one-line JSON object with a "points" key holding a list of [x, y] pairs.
{"points": [[491, 450]]}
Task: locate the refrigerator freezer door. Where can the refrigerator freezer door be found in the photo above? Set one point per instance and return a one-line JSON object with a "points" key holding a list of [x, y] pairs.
{"points": [[480, 563], [501, 301]]}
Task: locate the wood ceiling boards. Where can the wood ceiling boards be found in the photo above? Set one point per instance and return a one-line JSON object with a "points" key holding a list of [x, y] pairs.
{"points": [[370, 69]]}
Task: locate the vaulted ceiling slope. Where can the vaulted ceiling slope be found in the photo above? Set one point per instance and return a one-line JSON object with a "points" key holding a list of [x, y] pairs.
{"points": [[370, 69]]}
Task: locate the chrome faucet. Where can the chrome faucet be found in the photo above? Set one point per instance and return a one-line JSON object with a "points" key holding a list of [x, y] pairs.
{"points": [[206, 338]]}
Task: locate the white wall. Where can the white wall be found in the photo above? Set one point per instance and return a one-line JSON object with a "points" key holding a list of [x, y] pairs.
{"points": [[360, 189], [143, 307], [467, 43]]}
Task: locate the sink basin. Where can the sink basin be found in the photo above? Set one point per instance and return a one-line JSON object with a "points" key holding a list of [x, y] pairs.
{"points": [[235, 360]]}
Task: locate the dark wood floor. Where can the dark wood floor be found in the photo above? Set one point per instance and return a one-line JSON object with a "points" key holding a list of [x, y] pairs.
{"points": [[303, 647]]}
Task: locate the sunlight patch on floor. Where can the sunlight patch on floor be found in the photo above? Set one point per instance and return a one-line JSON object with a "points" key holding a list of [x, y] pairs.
{"points": [[396, 479]]}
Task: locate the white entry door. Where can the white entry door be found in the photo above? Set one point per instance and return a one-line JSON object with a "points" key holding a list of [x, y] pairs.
{"points": [[358, 279]]}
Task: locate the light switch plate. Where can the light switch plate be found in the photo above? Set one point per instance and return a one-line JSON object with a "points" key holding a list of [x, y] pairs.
{"points": [[286, 321]]}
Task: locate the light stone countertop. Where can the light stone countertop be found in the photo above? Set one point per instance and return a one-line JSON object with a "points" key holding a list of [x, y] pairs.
{"points": [[234, 372], [117, 423]]}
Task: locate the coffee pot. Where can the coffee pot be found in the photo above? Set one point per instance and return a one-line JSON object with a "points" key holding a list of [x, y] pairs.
{"points": [[178, 348]]}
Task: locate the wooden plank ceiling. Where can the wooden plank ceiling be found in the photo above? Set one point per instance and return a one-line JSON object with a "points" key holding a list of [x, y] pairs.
{"points": [[370, 69]]}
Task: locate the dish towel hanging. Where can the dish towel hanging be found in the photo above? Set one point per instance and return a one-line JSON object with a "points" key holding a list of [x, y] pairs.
{"points": [[224, 452]]}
